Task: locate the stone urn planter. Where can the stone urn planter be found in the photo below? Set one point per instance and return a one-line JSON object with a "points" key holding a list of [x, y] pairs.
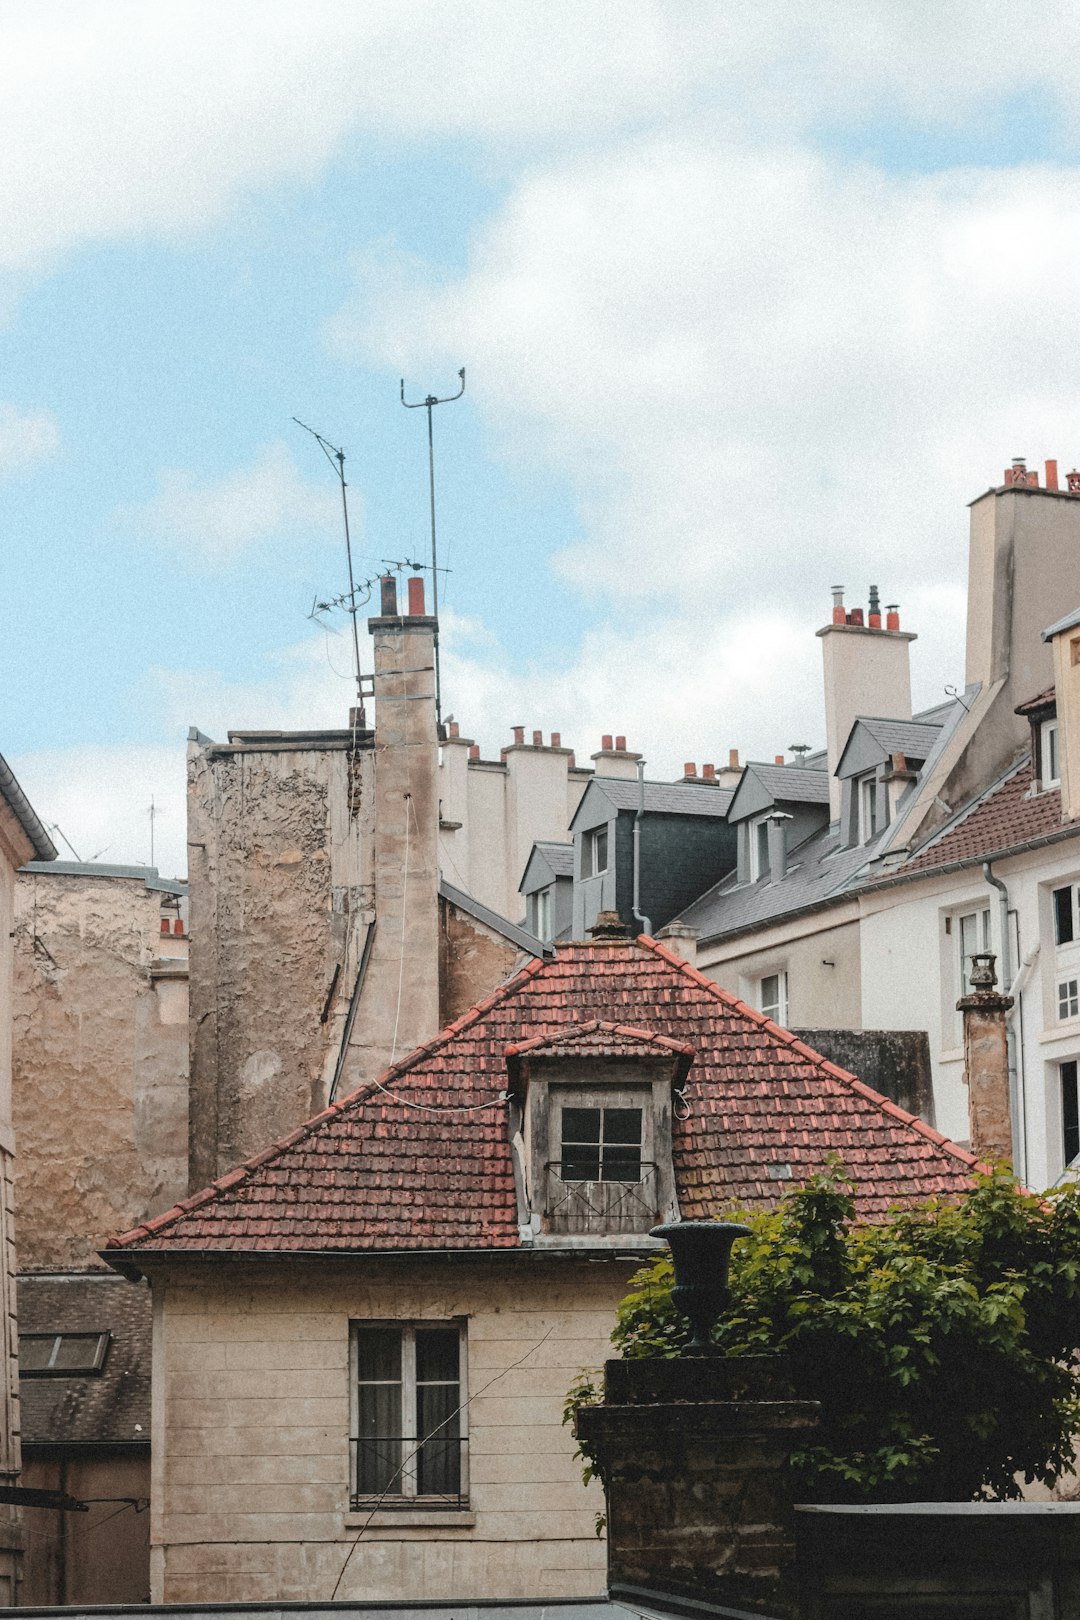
{"points": [[701, 1253]]}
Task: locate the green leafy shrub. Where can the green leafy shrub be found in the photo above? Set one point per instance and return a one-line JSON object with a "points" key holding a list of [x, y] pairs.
{"points": [[941, 1343]]}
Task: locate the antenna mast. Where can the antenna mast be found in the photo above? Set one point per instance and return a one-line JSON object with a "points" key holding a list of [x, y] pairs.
{"points": [[335, 455], [428, 404]]}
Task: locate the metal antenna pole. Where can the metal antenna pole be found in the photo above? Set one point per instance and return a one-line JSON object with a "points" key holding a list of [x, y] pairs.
{"points": [[428, 404], [334, 454]]}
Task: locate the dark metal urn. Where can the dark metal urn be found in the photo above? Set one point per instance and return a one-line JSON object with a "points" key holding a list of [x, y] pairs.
{"points": [[701, 1252]]}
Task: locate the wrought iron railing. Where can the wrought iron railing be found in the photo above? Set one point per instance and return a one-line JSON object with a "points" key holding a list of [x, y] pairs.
{"points": [[601, 1206], [399, 1471]]}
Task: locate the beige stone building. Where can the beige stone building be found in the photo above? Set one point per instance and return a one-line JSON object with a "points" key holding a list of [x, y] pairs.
{"points": [[22, 838], [364, 1336]]}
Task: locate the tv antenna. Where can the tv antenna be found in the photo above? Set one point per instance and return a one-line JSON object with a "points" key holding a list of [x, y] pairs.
{"points": [[336, 458], [429, 404], [153, 813]]}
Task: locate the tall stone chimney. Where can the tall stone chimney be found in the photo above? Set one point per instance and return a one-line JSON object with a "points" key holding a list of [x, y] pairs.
{"points": [[986, 1062], [398, 1004], [867, 671]]}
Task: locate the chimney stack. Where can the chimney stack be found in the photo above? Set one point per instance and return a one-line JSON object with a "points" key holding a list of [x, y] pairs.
{"points": [[867, 671], [986, 1062], [614, 759]]}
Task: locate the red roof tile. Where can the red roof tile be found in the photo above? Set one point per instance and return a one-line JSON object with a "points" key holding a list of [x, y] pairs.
{"points": [[1003, 818], [391, 1168]]}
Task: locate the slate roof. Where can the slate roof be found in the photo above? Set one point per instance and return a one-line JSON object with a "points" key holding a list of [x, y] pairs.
{"points": [[793, 784], [1000, 819], [90, 1408], [560, 857], [391, 1169], [820, 869], [907, 737], [663, 798]]}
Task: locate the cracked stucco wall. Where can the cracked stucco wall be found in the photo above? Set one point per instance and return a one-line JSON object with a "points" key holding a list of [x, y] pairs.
{"points": [[100, 1062], [281, 891]]}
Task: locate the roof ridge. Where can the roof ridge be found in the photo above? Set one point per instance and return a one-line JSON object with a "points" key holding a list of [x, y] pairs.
{"points": [[944, 1143]]}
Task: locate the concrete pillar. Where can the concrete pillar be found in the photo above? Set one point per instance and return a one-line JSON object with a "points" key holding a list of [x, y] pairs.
{"points": [[694, 1455], [986, 1063]]}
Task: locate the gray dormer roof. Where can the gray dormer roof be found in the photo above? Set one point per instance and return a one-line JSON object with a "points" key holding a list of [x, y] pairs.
{"points": [[661, 798], [1066, 623], [546, 863], [871, 742], [763, 785]]}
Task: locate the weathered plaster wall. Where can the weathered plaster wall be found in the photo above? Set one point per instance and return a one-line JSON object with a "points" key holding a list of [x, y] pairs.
{"points": [[251, 1425], [100, 1064], [72, 1557], [473, 960], [281, 890], [820, 956]]}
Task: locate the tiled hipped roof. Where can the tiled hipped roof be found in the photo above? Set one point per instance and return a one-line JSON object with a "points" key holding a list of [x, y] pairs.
{"points": [[386, 1169]]}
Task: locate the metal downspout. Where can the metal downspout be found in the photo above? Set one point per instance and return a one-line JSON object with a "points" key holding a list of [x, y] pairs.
{"points": [[644, 922], [1017, 1099]]}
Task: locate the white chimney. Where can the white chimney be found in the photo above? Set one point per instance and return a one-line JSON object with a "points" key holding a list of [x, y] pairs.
{"points": [[867, 672]]}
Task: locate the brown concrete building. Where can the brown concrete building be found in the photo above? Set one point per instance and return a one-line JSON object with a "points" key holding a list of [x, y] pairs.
{"points": [[22, 838]]}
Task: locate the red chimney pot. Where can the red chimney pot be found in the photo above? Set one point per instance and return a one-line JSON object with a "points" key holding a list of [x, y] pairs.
{"points": [[779, 758], [556, 739], [416, 595], [474, 750], [605, 744], [1051, 475], [538, 739], [709, 772], [733, 759], [690, 769], [164, 925], [388, 596], [178, 926], [855, 616], [620, 744], [892, 618], [454, 728], [519, 735]]}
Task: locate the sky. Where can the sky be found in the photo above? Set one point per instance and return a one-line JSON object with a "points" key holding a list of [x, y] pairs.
{"points": [[751, 302]]}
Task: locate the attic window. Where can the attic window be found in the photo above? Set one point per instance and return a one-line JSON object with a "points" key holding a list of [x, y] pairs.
{"points": [[61, 1355], [869, 821], [1049, 765], [601, 1144], [594, 852]]}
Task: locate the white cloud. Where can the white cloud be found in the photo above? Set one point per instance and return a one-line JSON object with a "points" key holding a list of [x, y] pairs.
{"points": [[26, 438], [120, 120], [100, 796], [217, 522], [762, 372]]}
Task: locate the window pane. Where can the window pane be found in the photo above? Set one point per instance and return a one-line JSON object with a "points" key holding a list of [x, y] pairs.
{"points": [[586, 856], [379, 1354], [581, 1124], [34, 1351], [580, 1164], [622, 1125], [1068, 1001], [437, 1355], [1070, 1111], [438, 1464], [761, 836], [621, 1163], [1063, 915], [77, 1352], [601, 849]]}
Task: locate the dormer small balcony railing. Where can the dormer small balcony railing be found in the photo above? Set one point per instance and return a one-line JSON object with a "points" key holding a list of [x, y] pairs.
{"points": [[600, 1208]]}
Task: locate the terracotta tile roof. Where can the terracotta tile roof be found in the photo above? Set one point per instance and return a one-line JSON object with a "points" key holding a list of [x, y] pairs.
{"points": [[389, 1169], [1000, 820], [599, 1039], [1042, 700]]}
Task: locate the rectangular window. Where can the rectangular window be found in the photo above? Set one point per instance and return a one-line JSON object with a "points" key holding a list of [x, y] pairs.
{"points": [[973, 932], [1068, 1000], [601, 1144], [1064, 926], [408, 1434], [773, 997], [543, 915], [758, 833], [1049, 769], [868, 809], [1070, 1110], [60, 1355], [594, 852]]}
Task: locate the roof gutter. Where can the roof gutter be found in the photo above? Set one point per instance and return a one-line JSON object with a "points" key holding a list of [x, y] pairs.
{"points": [[129, 1262], [27, 816]]}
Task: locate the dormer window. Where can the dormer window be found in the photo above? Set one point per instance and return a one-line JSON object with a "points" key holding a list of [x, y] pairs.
{"points": [[871, 817], [594, 852], [759, 848], [593, 1107], [1049, 766]]}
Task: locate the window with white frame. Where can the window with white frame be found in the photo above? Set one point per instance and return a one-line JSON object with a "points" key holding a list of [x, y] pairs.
{"points": [[972, 929], [409, 1403], [1049, 765], [543, 913], [1070, 1110], [759, 848], [773, 997], [1065, 918], [1068, 999], [594, 852], [870, 821]]}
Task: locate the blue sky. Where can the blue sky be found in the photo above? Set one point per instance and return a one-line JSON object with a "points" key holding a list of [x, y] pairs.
{"points": [[747, 305]]}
